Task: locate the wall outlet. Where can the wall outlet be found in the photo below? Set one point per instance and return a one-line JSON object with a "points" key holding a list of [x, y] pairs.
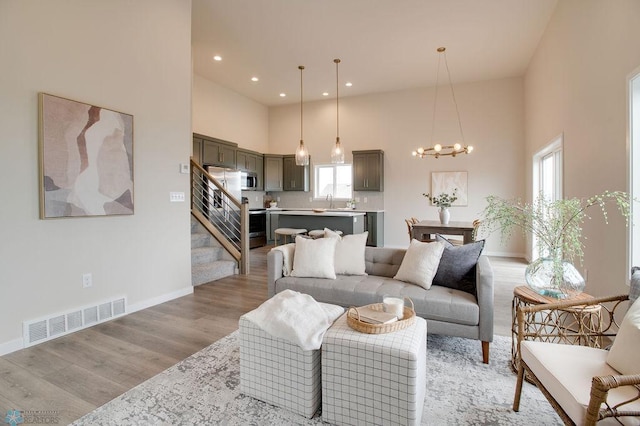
{"points": [[311, 199], [365, 199], [87, 280], [357, 199], [278, 199]]}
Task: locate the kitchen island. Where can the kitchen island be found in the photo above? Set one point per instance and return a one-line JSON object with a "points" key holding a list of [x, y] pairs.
{"points": [[349, 222]]}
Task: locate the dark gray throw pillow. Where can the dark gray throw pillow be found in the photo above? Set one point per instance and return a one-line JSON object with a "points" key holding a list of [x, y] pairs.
{"points": [[457, 267]]}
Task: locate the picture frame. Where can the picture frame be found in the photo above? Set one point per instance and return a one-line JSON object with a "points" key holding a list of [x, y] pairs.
{"points": [[447, 182], [85, 159]]}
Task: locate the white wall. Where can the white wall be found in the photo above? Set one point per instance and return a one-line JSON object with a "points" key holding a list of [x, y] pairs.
{"points": [[398, 122], [576, 84], [133, 57], [225, 114]]}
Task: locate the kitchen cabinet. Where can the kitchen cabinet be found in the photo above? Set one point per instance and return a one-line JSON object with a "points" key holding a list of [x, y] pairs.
{"points": [[216, 152], [374, 222], [250, 161], [272, 172], [295, 178], [368, 170], [197, 150], [272, 225]]}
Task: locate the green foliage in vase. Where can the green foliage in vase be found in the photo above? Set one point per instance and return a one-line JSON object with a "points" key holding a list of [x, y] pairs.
{"points": [[444, 199], [556, 225]]}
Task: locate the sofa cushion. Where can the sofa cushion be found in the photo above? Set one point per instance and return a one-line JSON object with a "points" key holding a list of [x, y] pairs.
{"points": [[349, 257], [566, 372], [383, 261], [634, 285], [623, 355], [314, 258], [457, 268], [438, 303], [420, 263]]}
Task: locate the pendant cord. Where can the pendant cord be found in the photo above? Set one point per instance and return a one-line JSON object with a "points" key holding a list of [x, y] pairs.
{"points": [[301, 111], [337, 61], [453, 95], [435, 101]]}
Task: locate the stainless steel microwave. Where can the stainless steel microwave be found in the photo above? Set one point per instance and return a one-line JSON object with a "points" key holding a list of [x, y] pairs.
{"points": [[249, 180]]}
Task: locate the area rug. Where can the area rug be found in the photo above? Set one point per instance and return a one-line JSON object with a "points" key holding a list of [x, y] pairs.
{"points": [[204, 390]]}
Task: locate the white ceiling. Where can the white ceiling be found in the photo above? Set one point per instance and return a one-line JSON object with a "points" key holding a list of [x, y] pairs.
{"points": [[384, 45]]}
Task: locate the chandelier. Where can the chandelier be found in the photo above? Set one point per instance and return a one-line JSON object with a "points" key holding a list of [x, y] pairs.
{"points": [[302, 155], [439, 150], [337, 153]]}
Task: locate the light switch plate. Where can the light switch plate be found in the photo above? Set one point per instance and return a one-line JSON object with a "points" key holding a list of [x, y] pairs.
{"points": [[184, 168], [176, 197]]}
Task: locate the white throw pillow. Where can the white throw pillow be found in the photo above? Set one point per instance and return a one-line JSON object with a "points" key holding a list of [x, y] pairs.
{"points": [[314, 258], [420, 263], [349, 259], [623, 355]]}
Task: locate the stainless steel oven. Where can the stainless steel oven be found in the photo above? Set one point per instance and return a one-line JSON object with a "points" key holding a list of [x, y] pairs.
{"points": [[257, 228]]}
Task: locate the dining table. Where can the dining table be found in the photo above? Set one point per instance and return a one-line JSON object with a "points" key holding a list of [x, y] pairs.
{"points": [[425, 230]]}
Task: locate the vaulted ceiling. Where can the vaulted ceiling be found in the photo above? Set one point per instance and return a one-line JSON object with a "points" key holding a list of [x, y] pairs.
{"points": [[384, 45]]}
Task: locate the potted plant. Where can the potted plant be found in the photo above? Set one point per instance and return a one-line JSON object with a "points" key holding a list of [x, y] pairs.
{"points": [[557, 229], [443, 201]]}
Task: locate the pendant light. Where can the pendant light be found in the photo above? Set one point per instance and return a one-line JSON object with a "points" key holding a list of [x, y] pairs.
{"points": [[337, 153], [302, 155]]}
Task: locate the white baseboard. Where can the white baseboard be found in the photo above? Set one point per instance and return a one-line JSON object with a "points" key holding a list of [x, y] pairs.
{"points": [[11, 346], [17, 344], [159, 299]]}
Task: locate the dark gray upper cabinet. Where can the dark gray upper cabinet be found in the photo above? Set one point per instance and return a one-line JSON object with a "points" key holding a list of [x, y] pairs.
{"points": [[216, 152], [296, 178], [368, 170], [251, 161], [197, 150], [272, 172]]}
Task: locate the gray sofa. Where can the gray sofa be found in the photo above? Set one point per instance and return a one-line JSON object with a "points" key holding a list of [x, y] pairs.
{"points": [[447, 311]]}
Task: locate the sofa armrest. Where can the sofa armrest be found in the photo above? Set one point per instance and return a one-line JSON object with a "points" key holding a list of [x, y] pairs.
{"points": [[274, 270], [484, 294]]}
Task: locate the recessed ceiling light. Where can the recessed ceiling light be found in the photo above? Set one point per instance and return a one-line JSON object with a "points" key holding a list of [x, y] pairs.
{"points": [[282, 95], [254, 79], [217, 58], [325, 93], [348, 84]]}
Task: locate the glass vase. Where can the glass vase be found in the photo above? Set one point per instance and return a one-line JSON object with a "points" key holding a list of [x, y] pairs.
{"points": [[554, 278]]}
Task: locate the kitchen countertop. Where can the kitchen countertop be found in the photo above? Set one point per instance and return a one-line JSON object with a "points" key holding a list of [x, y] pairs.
{"points": [[334, 213], [303, 209]]}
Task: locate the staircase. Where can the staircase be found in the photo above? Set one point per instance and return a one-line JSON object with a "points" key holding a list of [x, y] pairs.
{"points": [[209, 261]]}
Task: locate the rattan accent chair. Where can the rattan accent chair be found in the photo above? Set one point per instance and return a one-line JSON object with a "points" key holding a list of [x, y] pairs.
{"points": [[556, 349]]}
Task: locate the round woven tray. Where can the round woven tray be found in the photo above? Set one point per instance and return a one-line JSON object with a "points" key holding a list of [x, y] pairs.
{"points": [[353, 320]]}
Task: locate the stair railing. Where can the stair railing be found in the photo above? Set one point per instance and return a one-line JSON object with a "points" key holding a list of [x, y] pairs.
{"points": [[225, 217]]}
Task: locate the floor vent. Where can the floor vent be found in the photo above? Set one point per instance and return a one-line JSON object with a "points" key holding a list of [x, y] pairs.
{"points": [[43, 329]]}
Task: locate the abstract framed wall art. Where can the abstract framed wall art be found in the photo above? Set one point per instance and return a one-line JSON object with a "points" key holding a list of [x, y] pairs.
{"points": [[447, 182], [86, 159]]}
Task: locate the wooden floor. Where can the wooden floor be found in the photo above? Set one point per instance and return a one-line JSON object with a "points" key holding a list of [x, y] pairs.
{"points": [[77, 373]]}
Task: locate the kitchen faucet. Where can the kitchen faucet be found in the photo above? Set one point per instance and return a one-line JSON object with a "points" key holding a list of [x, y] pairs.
{"points": [[330, 198]]}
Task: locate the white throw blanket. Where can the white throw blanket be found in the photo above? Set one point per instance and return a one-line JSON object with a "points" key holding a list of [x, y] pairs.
{"points": [[288, 251], [295, 317]]}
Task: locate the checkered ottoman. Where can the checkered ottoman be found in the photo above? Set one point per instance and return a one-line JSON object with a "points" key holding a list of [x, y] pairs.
{"points": [[372, 379], [278, 372]]}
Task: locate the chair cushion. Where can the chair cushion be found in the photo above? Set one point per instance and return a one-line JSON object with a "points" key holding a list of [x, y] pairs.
{"points": [[625, 350], [566, 372], [457, 268], [420, 263], [314, 258]]}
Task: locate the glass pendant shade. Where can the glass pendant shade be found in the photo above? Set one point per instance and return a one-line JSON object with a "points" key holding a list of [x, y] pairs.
{"points": [[337, 153], [302, 155]]}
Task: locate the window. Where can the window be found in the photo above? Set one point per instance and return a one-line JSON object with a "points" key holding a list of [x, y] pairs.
{"points": [[547, 177], [334, 180], [634, 136]]}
